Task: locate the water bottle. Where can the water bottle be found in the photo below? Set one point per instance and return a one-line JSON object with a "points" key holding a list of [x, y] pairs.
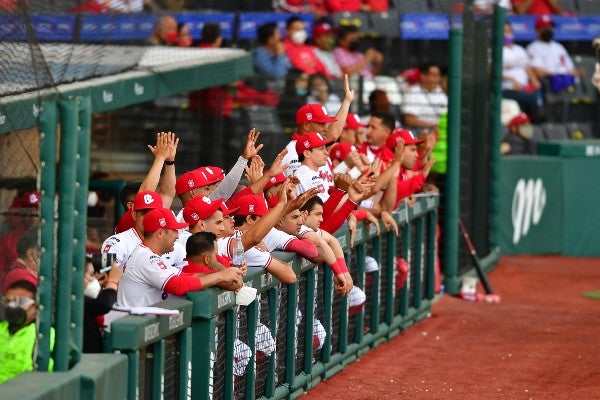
{"points": [[238, 251]]}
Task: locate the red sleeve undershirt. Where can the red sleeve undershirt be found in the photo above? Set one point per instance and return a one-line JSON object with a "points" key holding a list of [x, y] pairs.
{"points": [[335, 196], [303, 247], [408, 187], [334, 221], [180, 284]]}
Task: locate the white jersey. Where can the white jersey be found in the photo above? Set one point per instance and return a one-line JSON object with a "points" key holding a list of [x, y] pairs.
{"points": [[551, 57], [311, 179], [428, 106], [122, 245], [304, 229], [144, 278], [514, 63], [291, 158], [277, 240], [256, 256], [183, 237]]}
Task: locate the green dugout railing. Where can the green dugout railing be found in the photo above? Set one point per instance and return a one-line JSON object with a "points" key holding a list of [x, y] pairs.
{"points": [[214, 349]]}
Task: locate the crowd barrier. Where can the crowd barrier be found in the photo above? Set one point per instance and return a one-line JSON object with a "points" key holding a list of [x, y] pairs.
{"points": [[92, 28], [191, 355]]}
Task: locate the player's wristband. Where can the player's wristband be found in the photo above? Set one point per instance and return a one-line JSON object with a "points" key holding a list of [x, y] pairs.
{"points": [[169, 162], [342, 168], [355, 173]]}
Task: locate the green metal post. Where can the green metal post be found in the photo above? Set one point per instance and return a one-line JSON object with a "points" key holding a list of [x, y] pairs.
{"points": [[453, 170], [48, 123], [495, 125], [404, 293], [203, 331], [309, 313], [432, 252], [390, 262], [80, 225], [158, 370], [185, 363], [230, 335], [134, 373], [271, 381], [291, 334], [327, 311], [376, 300], [419, 263], [360, 261], [66, 206], [252, 316]]}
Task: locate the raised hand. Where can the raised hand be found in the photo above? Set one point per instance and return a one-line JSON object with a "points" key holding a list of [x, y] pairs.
{"points": [[255, 170], [277, 167], [342, 181], [348, 93], [251, 149], [389, 222]]}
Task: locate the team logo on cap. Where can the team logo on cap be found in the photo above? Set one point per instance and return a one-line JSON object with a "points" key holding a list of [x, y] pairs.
{"points": [[190, 183], [251, 208], [306, 143], [210, 171], [309, 116], [162, 222], [273, 179], [195, 217], [206, 200], [33, 198], [148, 199], [324, 110], [338, 153]]}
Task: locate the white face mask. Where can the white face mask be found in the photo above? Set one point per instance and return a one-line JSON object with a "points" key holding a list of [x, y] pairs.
{"points": [[92, 289], [299, 37]]}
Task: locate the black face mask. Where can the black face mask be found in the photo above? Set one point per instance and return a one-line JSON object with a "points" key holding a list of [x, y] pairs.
{"points": [[15, 316], [353, 46], [547, 35]]}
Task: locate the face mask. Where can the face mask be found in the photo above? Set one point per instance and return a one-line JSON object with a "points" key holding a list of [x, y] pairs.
{"points": [[15, 315], [300, 91], [526, 131], [299, 37], [92, 289], [509, 39], [353, 46], [329, 44], [547, 35]]}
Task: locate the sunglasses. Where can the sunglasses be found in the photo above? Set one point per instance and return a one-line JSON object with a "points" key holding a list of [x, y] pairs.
{"points": [[18, 301]]}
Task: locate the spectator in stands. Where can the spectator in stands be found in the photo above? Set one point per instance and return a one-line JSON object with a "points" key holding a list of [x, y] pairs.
{"points": [[549, 59], [537, 7], [519, 81], [518, 139], [380, 102], [18, 332], [316, 7], [211, 36], [270, 60], [293, 97], [349, 57], [423, 104], [28, 251], [376, 6], [320, 92], [22, 215], [131, 6], [184, 37], [147, 279], [323, 39], [165, 33], [99, 299], [301, 55]]}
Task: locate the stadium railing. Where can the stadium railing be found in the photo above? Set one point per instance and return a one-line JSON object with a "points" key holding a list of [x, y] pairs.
{"points": [[192, 353]]}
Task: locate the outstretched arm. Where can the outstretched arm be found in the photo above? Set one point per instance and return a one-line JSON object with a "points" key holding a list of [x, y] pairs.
{"points": [[166, 147]]}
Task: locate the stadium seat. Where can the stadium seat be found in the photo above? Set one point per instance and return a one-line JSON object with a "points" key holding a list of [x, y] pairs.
{"points": [[358, 19], [580, 130], [538, 134], [555, 131], [410, 6], [384, 24], [589, 7]]}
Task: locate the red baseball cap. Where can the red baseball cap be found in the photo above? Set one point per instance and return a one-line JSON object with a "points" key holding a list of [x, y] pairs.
{"points": [[310, 140], [27, 199], [254, 204], [275, 180], [228, 210], [340, 150], [190, 180], [161, 218], [543, 21], [321, 28], [519, 119], [353, 122], [147, 200], [408, 136], [313, 113], [17, 275], [200, 207], [213, 174]]}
